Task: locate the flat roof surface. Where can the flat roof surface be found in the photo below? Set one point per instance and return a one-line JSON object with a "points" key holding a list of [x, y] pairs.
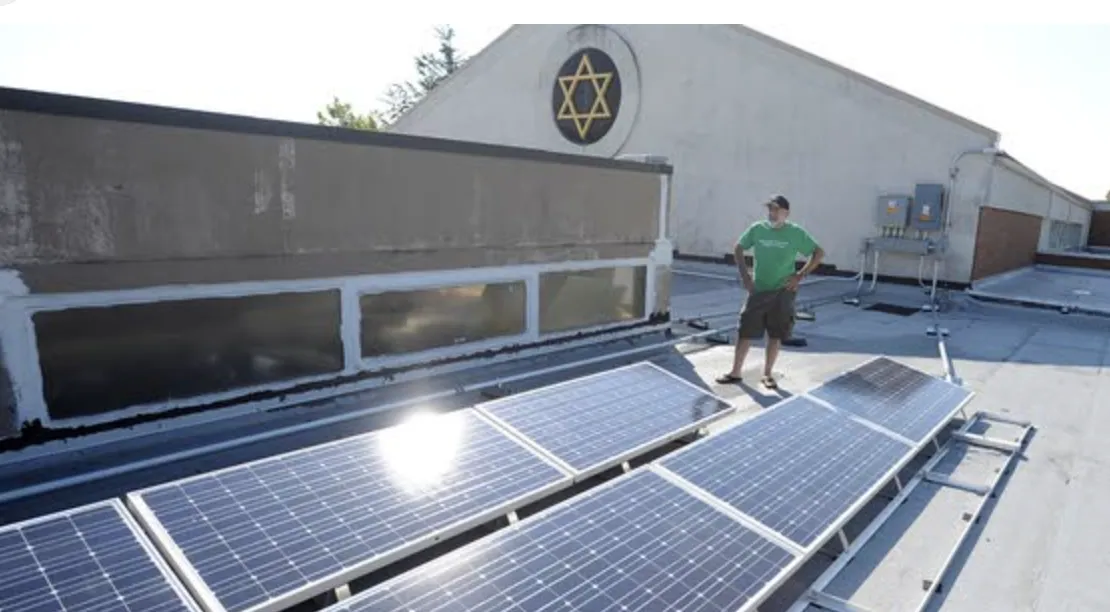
{"points": [[1041, 546], [1082, 289]]}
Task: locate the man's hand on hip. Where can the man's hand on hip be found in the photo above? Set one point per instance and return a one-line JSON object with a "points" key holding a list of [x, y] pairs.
{"points": [[793, 282]]}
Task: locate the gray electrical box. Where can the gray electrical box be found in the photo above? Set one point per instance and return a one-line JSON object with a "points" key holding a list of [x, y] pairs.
{"points": [[893, 211], [927, 212]]}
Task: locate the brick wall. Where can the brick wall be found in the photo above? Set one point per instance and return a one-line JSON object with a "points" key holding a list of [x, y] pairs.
{"points": [[1100, 229], [1006, 240]]}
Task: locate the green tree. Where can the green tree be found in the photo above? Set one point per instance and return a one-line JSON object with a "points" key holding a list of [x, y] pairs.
{"points": [[431, 70], [339, 114]]}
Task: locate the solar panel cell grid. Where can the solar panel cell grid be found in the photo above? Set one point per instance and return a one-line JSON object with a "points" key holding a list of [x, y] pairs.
{"points": [[796, 469], [86, 560], [275, 529], [595, 422], [640, 544], [901, 399]]}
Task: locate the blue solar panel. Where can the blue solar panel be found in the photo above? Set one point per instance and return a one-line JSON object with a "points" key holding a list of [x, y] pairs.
{"points": [[598, 421], [85, 560], [639, 544], [899, 398], [797, 468], [280, 530]]}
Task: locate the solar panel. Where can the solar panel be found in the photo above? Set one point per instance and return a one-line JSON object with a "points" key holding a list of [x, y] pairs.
{"points": [[798, 468], [639, 543], [901, 399], [89, 559], [265, 535], [596, 422]]}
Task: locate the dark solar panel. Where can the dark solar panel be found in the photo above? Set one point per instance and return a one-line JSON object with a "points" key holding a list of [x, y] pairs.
{"points": [[598, 421], [897, 397], [797, 468], [273, 530], [640, 544], [85, 560]]}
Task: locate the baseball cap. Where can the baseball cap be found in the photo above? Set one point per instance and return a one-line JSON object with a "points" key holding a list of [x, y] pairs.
{"points": [[780, 201]]}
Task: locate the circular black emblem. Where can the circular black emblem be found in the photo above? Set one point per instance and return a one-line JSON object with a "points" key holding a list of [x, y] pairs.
{"points": [[587, 96]]}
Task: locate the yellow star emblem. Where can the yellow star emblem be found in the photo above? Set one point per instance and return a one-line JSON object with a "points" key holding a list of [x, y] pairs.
{"points": [[583, 119]]}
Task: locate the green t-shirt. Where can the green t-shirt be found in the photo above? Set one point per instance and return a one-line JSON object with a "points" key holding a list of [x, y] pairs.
{"points": [[775, 252]]}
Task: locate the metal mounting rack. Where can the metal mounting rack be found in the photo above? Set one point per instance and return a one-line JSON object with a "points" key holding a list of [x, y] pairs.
{"points": [[815, 596], [924, 246]]}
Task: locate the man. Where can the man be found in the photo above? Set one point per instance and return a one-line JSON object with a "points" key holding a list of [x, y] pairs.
{"points": [[769, 307]]}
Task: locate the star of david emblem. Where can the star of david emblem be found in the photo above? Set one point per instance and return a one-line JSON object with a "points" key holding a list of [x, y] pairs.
{"points": [[587, 96]]}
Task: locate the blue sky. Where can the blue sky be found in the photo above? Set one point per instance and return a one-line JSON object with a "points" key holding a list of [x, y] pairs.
{"points": [[1045, 87]]}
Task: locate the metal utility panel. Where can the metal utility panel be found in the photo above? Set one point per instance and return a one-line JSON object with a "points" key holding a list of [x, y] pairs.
{"points": [[893, 211], [927, 211]]}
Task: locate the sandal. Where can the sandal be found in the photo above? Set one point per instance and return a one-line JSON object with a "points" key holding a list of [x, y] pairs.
{"points": [[769, 382], [728, 379]]}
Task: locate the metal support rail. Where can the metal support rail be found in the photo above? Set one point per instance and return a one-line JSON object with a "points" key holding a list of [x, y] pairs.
{"points": [[815, 595]]}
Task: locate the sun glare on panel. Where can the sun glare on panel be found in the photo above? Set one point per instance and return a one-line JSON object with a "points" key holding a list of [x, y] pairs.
{"points": [[422, 450]]}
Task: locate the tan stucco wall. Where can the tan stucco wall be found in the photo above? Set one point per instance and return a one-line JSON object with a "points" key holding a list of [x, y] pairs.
{"points": [[198, 205]]}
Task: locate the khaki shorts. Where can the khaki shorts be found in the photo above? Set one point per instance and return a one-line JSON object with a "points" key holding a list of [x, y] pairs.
{"points": [[770, 312]]}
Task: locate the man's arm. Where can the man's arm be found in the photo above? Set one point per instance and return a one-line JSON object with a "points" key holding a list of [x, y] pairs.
{"points": [[745, 274], [816, 255], [814, 260], [744, 243]]}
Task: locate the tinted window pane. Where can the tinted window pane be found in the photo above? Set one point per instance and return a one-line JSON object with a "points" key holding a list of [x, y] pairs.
{"points": [[99, 359], [400, 322], [587, 298]]}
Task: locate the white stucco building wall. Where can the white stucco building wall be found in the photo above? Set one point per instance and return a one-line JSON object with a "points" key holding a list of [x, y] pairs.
{"points": [[1018, 188], [740, 116]]}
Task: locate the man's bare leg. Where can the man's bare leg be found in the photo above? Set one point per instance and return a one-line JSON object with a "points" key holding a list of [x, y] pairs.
{"points": [[742, 346], [781, 325], [772, 353]]}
